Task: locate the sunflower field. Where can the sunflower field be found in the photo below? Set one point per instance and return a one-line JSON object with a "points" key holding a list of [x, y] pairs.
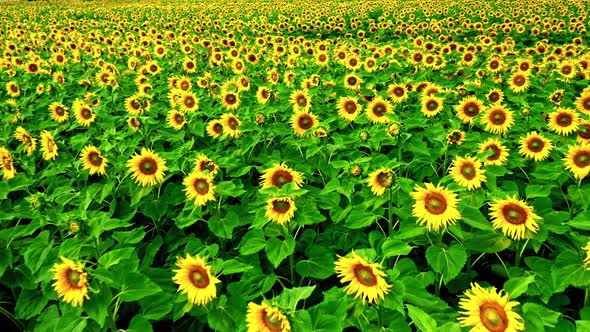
{"points": [[292, 165]]}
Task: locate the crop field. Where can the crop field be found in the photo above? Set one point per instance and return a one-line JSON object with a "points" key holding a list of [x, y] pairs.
{"points": [[269, 166]]}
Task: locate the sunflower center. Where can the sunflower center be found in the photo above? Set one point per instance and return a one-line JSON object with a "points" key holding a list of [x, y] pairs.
{"points": [[582, 159], [584, 131], [350, 107], [148, 166], [399, 92], [498, 117], [495, 152], [519, 80], [281, 206], [536, 144], [566, 70], [153, 68], [74, 278], [471, 109], [207, 165], [184, 85], [190, 65], [418, 57], [455, 136], [178, 118], [564, 120], [379, 109], [514, 214], [59, 111], [364, 275], [435, 203], [353, 62], [352, 81], [586, 103], [272, 322], [301, 101], [230, 99], [189, 102], [86, 113], [201, 186], [33, 67], [556, 98], [384, 179], [14, 88], [281, 178], [468, 57], [494, 97], [305, 122], [493, 317], [494, 64], [468, 171], [264, 94], [218, 128], [199, 277], [432, 105], [94, 158], [524, 66]]}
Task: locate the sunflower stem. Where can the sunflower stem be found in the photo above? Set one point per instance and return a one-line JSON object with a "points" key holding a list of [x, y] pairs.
{"points": [[587, 297], [390, 213], [520, 252]]}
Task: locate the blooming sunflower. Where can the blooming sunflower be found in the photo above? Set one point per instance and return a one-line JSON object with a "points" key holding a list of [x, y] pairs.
{"points": [[435, 206], [514, 217], [23, 136], [498, 120], [70, 282], [377, 110], [230, 100], [431, 105], [380, 180], [93, 160], [279, 175], [366, 280], [194, 278], [265, 318], [468, 109], [215, 128], [280, 210], [84, 114], [231, 125], [456, 137], [583, 132], [557, 96], [12, 89], [534, 146], [263, 94], [199, 186], [577, 160], [467, 172], [587, 252], [176, 119], [583, 103], [489, 311], [6, 164], [133, 123], [205, 165], [58, 112], [303, 121], [563, 121], [48, 146], [300, 100], [495, 96], [519, 82], [352, 82], [397, 93], [147, 167], [499, 152], [188, 102], [349, 108]]}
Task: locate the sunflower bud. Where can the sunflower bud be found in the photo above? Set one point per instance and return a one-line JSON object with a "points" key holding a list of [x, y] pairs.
{"points": [[321, 132], [74, 227], [355, 170], [260, 119], [393, 130], [363, 136]]}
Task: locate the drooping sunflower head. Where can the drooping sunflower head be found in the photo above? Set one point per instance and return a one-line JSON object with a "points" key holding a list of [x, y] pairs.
{"points": [[514, 217], [147, 167], [194, 279], [498, 120], [70, 282], [93, 160], [435, 206], [380, 180], [265, 318], [48, 145], [498, 152], [6, 164], [199, 186], [133, 123], [263, 94], [280, 209], [302, 122], [377, 110], [279, 175], [535, 146], [587, 252], [557, 96], [489, 310], [467, 172], [577, 160], [365, 280], [583, 132]]}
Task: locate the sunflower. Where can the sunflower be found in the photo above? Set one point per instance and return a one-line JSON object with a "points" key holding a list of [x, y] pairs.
{"points": [[263, 94], [352, 82], [563, 121], [194, 278], [366, 280], [133, 123], [6, 164], [495, 96], [349, 108], [435, 206], [23, 136], [489, 311], [183, 83], [230, 100], [215, 128], [352, 63], [189, 65], [58, 112], [468, 109], [280, 210], [431, 106], [133, 105], [188, 102], [322, 59], [300, 100], [587, 252], [456, 137], [199, 186], [265, 318], [519, 82], [583, 132], [12, 89], [231, 125], [205, 165], [577, 160], [377, 110], [583, 103], [380, 180], [176, 119], [397, 93], [467, 172], [494, 65], [567, 70], [499, 153], [147, 167], [514, 217], [534, 146], [48, 146], [70, 282], [84, 114], [557, 96], [279, 175], [498, 120], [93, 160], [303, 121]]}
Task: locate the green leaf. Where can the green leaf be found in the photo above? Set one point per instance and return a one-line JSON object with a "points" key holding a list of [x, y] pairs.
{"points": [[136, 286], [157, 306], [232, 266], [277, 250], [319, 265], [535, 190], [487, 242], [97, 307], [447, 261], [114, 257], [139, 324], [30, 303], [130, 237], [289, 298], [252, 242], [550, 318], [423, 321], [72, 323], [569, 269], [37, 251], [360, 218], [518, 286], [581, 221], [393, 247], [5, 260], [474, 218]]}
